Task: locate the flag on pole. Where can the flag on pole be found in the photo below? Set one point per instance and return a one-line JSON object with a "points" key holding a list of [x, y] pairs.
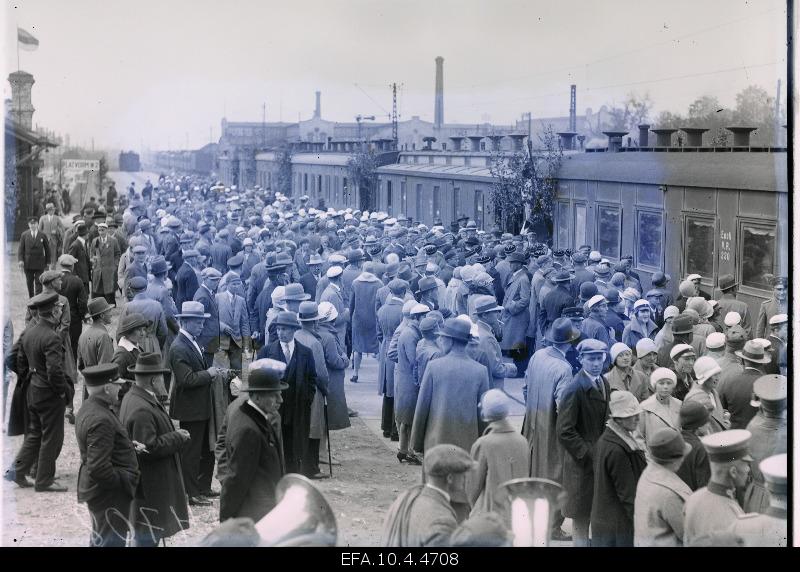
{"points": [[26, 40]]}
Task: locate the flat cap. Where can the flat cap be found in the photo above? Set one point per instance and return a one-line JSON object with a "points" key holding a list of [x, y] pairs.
{"points": [[595, 300], [137, 283], [334, 271], [67, 260], [693, 414], [97, 375], [397, 286], [778, 319], [139, 249], [235, 261], [49, 275], [210, 272], [592, 346], [588, 289], [443, 460]]}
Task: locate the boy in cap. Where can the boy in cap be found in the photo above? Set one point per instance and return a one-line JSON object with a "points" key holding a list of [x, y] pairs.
{"points": [[619, 463], [581, 420], [501, 454], [109, 472], [714, 507], [422, 516], [660, 494]]}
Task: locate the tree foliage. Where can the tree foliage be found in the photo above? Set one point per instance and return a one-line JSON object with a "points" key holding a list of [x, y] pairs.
{"points": [[634, 111], [527, 179], [361, 167]]}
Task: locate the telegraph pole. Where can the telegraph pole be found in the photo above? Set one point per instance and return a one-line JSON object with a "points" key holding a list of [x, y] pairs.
{"points": [[394, 114]]}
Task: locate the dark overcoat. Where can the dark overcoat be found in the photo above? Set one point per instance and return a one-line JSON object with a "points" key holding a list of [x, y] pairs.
{"points": [[406, 382], [208, 340], [191, 385], [336, 362], [617, 468], [362, 312], [104, 257], [254, 464], [186, 285], [390, 316], [161, 497], [34, 252], [581, 420]]}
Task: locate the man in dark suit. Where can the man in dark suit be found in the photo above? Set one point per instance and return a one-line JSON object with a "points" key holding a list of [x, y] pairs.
{"points": [[253, 447], [558, 299], [208, 339], [736, 394], [159, 509], [34, 255], [42, 356], [191, 401], [80, 252], [109, 471], [186, 283], [309, 279], [72, 289], [581, 421], [301, 376]]}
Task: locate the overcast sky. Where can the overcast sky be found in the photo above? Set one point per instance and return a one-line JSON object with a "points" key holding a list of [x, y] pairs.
{"points": [[152, 72]]}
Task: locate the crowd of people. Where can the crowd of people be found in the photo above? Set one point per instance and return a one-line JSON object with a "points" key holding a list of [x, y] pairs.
{"points": [[660, 411]]}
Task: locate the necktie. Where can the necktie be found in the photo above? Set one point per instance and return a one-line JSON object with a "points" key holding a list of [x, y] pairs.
{"points": [[287, 352]]}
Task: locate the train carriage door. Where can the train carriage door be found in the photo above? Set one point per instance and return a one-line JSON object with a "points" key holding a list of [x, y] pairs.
{"points": [[699, 246]]}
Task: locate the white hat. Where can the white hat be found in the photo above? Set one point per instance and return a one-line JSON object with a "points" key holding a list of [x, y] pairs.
{"points": [[420, 309], [277, 295], [623, 404], [390, 222], [732, 318], [408, 306], [464, 318], [337, 259], [671, 312], [595, 300], [334, 271], [327, 311], [715, 341], [662, 373], [692, 277], [763, 342], [348, 216], [617, 349], [595, 256], [494, 405], [778, 319], [704, 368], [679, 349], [641, 304], [645, 346]]}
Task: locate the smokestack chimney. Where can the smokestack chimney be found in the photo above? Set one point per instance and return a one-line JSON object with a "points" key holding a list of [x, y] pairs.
{"points": [[694, 136], [614, 140], [21, 107], [741, 135], [475, 142], [664, 137], [317, 108], [438, 111], [644, 134]]}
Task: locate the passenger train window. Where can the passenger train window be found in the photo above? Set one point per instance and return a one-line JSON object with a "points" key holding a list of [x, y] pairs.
{"points": [[389, 198], [609, 225], [562, 225], [649, 239], [757, 255], [580, 224], [699, 246]]}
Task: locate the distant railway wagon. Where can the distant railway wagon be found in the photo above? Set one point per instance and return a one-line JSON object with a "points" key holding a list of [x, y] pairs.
{"points": [[680, 210], [129, 162]]}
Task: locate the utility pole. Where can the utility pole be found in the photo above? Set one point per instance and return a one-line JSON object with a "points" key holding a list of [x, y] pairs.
{"points": [[394, 115], [778, 133], [573, 118]]}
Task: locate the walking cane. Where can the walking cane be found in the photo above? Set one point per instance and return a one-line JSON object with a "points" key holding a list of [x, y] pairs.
{"points": [[328, 436]]}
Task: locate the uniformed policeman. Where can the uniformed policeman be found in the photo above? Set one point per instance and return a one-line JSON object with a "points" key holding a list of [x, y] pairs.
{"points": [[768, 428], [714, 507], [769, 528], [109, 472]]}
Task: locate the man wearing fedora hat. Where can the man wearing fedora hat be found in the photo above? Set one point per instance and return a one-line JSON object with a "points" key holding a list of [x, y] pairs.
{"points": [[159, 509], [736, 391], [109, 473], [449, 393], [619, 463], [301, 375], [714, 507], [141, 303], [79, 251], [660, 494], [334, 294], [254, 456], [515, 311], [729, 303], [104, 253], [487, 315], [131, 330], [695, 470], [310, 279], [556, 300], [95, 345], [191, 401]]}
